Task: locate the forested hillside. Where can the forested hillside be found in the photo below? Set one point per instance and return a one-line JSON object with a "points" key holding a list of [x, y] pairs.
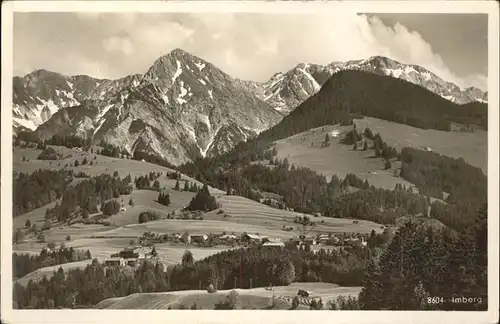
{"points": [[348, 94]]}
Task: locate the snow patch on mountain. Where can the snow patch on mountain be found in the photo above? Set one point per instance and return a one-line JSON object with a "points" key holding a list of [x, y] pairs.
{"points": [[25, 123], [180, 99], [119, 112], [164, 97], [177, 72], [285, 91], [50, 104], [16, 110], [395, 73], [202, 81], [101, 122], [204, 151], [314, 83], [449, 97], [204, 119], [104, 111], [409, 69], [190, 131], [200, 66]]}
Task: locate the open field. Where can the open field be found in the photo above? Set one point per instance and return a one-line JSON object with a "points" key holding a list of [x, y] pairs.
{"points": [[340, 159], [145, 200], [259, 298], [472, 147], [244, 210], [104, 164], [36, 216], [102, 248], [49, 271], [245, 215], [203, 300]]}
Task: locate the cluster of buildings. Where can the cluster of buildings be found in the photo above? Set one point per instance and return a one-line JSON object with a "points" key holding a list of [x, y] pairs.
{"points": [[131, 256], [329, 239]]}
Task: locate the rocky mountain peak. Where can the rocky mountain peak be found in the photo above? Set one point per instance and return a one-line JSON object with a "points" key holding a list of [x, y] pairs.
{"points": [[182, 107], [285, 91]]}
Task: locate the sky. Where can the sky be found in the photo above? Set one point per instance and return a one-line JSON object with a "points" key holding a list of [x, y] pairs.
{"points": [[249, 46]]}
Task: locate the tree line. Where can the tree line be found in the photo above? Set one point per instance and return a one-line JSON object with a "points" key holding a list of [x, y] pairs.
{"points": [[88, 194], [434, 174], [31, 191], [95, 282], [86, 287], [23, 263]]}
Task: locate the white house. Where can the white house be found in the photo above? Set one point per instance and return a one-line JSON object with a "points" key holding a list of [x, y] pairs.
{"points": [[116, 262], [251, 237], [273, 245], [228, 237], [199, 238]]}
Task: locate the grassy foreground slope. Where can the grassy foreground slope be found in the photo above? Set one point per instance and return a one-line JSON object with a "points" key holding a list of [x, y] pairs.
{"points": [[259, 298]]}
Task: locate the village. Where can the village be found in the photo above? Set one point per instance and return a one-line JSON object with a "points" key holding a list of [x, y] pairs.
{"points": [[135, 254]]}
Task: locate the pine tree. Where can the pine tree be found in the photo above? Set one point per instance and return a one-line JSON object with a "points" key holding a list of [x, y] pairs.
{"points": [[313, 305], [203, 201], [355, 147], [366, 185], [186, 186], [18, 236], [177, 186], [285, 272], [164, 198], [369, 297], [387, 164], [365, 146]]}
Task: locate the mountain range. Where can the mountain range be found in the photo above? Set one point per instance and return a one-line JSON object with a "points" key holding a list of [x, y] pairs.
{"points": [[184, 107], [285, 92]]}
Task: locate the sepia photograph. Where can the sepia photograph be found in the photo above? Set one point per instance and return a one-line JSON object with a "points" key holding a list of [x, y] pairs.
{"points": [[249, 156]]}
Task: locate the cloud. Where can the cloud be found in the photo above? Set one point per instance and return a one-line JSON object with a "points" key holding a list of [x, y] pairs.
{"points": [[247, 46], [408, 46], [119, 44]]}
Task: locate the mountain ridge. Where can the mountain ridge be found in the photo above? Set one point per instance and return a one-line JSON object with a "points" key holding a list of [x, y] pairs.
{"points": [[352, 94], [183, 107], [179, 109], [285, 91]]}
